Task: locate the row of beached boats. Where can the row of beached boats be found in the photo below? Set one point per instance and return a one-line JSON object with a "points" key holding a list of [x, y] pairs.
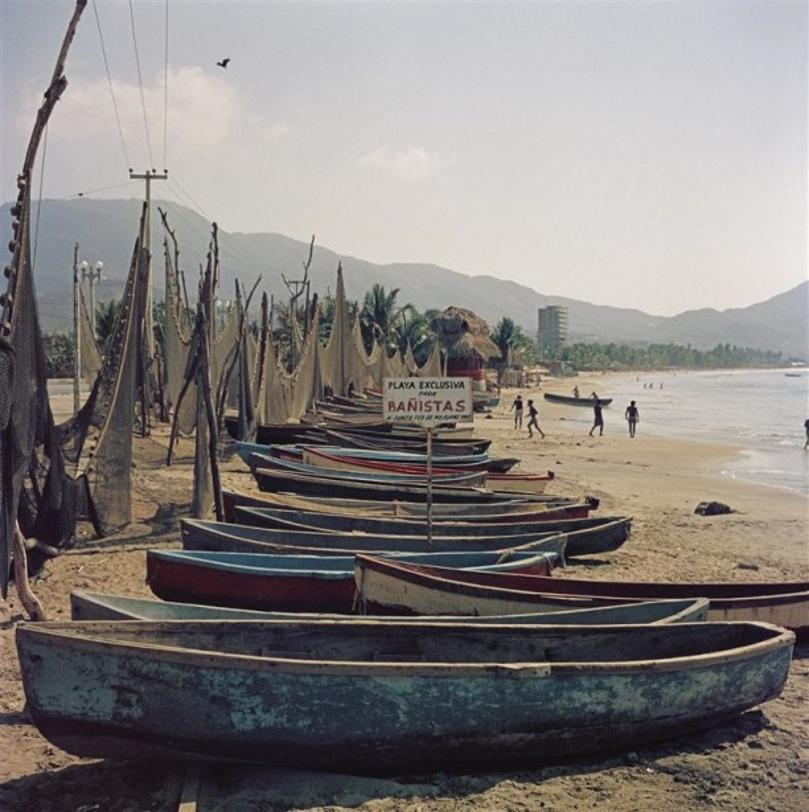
{"points": [[317, 625]]}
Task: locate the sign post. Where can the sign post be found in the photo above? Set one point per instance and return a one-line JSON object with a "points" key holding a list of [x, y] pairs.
{"points": [[427, 402]]}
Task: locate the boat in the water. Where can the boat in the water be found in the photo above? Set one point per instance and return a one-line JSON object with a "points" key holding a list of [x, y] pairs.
{"points": [[102, 606], [420, 697], [292, 583], [201, 534], [567, 400], [783, 603]]}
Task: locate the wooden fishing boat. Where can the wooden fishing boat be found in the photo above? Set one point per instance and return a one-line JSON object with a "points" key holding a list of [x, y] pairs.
{"points": [[376, 441], [278, 481], [433, 696], [501, 512], [291, 583], [452, 478], [571, 401], [783, 603], [401, 462], [271, 517], [200, 534], [519, 483], [102, 606], [592, 539]]}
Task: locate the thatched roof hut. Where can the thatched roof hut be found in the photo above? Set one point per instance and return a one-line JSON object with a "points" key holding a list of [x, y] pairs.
{"points": [[463, 335]]}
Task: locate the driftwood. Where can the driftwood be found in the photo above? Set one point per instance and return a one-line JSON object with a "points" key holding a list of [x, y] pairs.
{"points": [[29, 601]]}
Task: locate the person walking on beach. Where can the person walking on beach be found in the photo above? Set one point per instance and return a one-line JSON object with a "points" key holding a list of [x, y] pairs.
{"points": [[517, 406], [806, 426], [576, 392], [598, 417], [632, 414], [532, 420]]}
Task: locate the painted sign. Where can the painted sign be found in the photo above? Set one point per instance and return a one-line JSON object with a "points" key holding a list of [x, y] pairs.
{"points": [[426, 401]]}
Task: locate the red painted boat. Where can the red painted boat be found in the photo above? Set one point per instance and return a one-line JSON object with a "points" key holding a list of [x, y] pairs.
{"points": [[290, 583]]}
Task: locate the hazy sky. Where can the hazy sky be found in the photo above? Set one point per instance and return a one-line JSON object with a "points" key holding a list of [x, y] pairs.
{"points": [[642, 154]]}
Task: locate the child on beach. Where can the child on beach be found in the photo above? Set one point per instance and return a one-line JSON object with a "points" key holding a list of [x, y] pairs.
{"points": [[598, 417], [517, 406], [632, 414], [532, 420]]}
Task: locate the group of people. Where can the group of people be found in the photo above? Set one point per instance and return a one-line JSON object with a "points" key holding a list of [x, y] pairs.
{"points": [[533, 414], [632, 415]]}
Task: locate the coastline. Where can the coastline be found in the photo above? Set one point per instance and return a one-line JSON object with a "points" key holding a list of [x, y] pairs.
{"points": [[757, 760]]}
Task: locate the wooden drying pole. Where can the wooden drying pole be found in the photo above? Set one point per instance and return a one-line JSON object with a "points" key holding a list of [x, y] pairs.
{"points": [[296, 288]]}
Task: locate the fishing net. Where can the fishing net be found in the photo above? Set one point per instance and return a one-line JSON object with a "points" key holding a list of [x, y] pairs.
{"points": [[177, 343], [90, 354], [101, 432], [335, 361]]}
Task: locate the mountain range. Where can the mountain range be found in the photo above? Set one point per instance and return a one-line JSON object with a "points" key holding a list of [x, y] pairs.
{"points": [[106, 229]]}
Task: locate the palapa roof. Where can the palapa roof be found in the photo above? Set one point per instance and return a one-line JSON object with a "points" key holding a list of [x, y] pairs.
{"points": [[462, 334]]}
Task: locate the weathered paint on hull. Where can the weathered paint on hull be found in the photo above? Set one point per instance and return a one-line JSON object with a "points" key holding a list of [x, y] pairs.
{"points": [[99, 606], [204, 535], [102, 698], [227, 580], [390, 585], [593, 538]]}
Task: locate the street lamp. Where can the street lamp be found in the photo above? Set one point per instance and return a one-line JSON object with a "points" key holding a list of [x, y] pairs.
{"points": [[93, 273]]}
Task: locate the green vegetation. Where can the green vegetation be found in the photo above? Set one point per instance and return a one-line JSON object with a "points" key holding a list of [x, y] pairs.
{"points": [[59, 355], [514, 345], [661, 356]]}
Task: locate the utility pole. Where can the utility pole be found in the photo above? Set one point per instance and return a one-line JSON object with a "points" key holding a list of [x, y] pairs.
{"points": [[93, 273], [149, 175], [76, 337]]}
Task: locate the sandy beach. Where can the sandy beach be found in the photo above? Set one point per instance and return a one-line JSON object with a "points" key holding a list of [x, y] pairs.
{"points": [[758, 761]]}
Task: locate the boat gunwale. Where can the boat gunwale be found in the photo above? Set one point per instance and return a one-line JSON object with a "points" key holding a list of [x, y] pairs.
{"points": [[62, 631], [408, 572], [690, 607]]}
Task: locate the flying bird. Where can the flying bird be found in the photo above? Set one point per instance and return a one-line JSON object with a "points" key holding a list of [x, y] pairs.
{"points": [[223, 63]]}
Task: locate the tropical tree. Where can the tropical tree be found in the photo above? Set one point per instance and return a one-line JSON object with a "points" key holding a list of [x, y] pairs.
{"points": [[413, 329], [380, 315], [509, 337], [106, 314]]}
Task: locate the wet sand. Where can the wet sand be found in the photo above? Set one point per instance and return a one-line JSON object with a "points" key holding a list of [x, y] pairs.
{"points": [[757, 761]]}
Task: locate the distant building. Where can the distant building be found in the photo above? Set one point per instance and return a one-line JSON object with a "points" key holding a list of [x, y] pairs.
{"points": [[551, 330]]}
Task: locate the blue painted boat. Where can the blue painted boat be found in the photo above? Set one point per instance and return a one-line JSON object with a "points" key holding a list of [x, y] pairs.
{"points": [[102, 606], [432, 696], [200, 534], [587, 536]]}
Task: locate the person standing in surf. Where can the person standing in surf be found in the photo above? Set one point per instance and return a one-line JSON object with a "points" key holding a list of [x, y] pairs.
{"points": [[598, 417], [806, 426], [632, 415], [533, 414], [517, 407]]}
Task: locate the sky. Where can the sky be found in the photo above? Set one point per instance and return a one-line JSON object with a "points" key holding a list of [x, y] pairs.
{"points": [[638, 154]]}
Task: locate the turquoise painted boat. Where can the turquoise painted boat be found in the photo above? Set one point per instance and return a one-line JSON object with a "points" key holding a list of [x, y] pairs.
{"points": [[102, 606], [433, 696]]}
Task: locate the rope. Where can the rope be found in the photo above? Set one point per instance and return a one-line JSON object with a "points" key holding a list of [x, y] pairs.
{"points": [[166, 86], [39, 198], [109, 83], [140, 84]]}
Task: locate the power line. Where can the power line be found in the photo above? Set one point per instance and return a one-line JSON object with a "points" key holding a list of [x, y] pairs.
{"points": [[95, 191], [166, 86], [109, 83], [140, 84]]}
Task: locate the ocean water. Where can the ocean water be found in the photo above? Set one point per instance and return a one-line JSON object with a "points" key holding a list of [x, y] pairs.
{"points": [[761, 411]]}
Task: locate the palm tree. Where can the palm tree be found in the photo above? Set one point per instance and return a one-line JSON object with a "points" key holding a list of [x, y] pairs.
{"points": [[380, 315], [508, 336], [106, 315], [414, 329]]}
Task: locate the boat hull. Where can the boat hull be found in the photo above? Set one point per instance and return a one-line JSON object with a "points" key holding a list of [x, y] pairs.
{"points": [[432, 697]]}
